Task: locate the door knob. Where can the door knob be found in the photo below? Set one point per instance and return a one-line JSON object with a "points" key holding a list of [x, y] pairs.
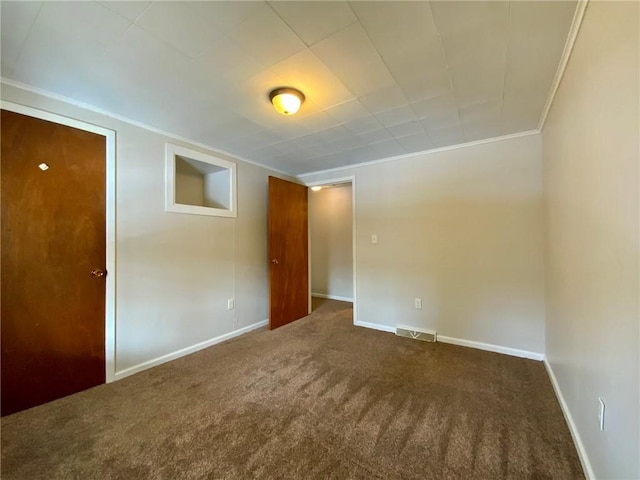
{"points": [[274, 261], [98, 272]]}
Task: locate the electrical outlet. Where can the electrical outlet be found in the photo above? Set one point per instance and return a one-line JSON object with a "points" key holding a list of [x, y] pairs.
{"points": [[601, 413], [231, 304], [417, 303], [374, 238]]}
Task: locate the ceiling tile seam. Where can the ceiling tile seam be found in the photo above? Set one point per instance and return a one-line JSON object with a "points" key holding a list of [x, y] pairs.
{"points": [[506, 66], [422, 152], [444, 55], [130, 121], [106, 5], [159, 39], [381, 59], [26, 39], [142, 12], [309, 45], [287, 24], [578, 17], [418, 118]]}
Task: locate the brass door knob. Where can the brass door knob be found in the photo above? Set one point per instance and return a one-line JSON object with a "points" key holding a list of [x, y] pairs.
{"points": [[274, 261], [97, 272]]}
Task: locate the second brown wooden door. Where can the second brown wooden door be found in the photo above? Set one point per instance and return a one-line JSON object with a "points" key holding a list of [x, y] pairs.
{"points": [[53, 237], [288, 252]]}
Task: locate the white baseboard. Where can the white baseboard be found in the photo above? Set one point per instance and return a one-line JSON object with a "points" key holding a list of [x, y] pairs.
{"points": [[188, 350], [463, 343], [582, 453], [375, 326], [332, 297], [492, 348]]}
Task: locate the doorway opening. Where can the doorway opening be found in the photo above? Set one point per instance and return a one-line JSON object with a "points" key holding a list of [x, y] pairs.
{"points": [[332, 249]]}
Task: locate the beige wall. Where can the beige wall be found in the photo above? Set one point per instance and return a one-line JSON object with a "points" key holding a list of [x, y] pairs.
{"points": [[175, 272], [331, 233], [591, 158], [460, 229]]}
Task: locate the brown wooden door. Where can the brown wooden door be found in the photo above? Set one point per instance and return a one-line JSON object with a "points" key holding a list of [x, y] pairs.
{"points": [[53, 237], [288, 252]]}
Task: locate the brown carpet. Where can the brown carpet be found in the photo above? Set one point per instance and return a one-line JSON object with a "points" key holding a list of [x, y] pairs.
{"points": [[318, 398]]}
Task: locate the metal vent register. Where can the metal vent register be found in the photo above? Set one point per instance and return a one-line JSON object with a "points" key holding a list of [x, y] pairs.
{"points": [[410, 332]]}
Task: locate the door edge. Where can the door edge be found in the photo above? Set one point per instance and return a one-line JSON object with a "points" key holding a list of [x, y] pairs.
{"points": [[110, 216]]}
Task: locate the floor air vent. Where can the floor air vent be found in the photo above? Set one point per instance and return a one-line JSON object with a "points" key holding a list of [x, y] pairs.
{"points": [[416, 334]]}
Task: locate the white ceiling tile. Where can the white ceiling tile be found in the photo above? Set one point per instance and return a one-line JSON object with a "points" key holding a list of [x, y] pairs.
{"points": [[416, 143], [313, 21], [414, 59], [89, 23], [474, 37], [395, 26], [374, 136], [422, 72], [346, 143], [345, 48], [348, 111], [482, 120], [319, 121], [362, 125], [396, 116], [406, 129], [225, 62], [260, 139], [384, 99], [481, 112], [354, 59], [129, 10], [486, 45], [332, 147], [435, 106], [443, 119], [481, 130], [376, 151], [140, 60], [459, 18], [266, 37], [362, 79], [179, 26], [289, 130], [537, 30], [225, 15], [17, 19], [329, 135], [308, 74], [477, 82], [450, 135], [72, 61], [426, 85]]}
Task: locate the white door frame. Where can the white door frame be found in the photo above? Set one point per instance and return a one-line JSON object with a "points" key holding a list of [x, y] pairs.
{"points": [[347, 179], [110, 291]]}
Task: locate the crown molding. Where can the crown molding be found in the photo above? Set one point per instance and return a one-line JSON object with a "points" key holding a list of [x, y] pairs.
{"points": [[130, 121], [564, 60], [423, 152]]}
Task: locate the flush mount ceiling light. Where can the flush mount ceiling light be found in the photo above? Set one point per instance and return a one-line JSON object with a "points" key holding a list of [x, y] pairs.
{"points": [[317, 188], [286, 101]]}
